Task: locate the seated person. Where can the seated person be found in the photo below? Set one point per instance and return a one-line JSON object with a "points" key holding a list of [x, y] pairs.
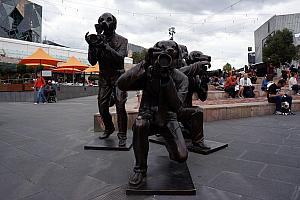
{"points": [[237, 86], [246, 88], [265, 82], [276, 95], [293, 83], [49, 90], [229, 86]]}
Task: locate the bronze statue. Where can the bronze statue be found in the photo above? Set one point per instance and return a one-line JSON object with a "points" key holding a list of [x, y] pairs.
{"points": [[184, 54], [109, 49], [164, 90], [190, 116]]}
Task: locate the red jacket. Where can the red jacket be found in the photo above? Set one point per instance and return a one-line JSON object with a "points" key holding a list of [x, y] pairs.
{"points": [[230, 82], [40, 82]]}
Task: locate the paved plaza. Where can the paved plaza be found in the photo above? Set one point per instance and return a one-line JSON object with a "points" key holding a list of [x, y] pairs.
{"points": [[42, 157]]}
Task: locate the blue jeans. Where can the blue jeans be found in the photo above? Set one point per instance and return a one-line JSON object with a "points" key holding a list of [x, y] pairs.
{"points": [[41, 96], [277, 101]]}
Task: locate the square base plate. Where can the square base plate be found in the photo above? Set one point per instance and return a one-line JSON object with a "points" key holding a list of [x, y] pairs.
{"points": [[214, 146], [165, 177], [110, 143]]}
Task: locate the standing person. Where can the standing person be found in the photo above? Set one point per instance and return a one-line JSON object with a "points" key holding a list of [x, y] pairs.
{"points": [[39, 86], [109, 49], [293, 83]]}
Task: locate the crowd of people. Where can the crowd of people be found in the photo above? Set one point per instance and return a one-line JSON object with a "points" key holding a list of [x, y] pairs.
{"points": [[239, 86]]}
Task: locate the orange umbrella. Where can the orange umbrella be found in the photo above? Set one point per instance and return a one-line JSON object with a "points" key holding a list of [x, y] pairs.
{"points": [[94, 69], [73, 62], [40, 57], [67, 70], [45, 65]]}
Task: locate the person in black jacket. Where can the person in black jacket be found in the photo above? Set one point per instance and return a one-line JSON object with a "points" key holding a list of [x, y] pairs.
{"points": [[164, 90], [276, 95], [109, 49]]}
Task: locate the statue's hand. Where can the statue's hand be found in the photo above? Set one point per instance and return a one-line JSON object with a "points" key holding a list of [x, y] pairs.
{"points": [[87, 37]]}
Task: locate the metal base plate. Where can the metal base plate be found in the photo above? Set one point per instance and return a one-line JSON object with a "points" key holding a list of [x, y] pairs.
{"points": [[165, 177], [110, 143], [214, 146]]}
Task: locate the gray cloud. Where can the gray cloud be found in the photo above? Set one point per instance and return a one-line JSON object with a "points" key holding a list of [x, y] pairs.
{"points": [[225, 36]]}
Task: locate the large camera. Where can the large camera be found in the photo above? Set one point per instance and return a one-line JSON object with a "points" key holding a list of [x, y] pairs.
{"points": [[164, 61], [95, 39]]}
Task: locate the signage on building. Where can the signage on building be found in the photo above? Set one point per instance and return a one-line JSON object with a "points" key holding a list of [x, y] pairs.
{"points": [[47, 73], [251, 57]]}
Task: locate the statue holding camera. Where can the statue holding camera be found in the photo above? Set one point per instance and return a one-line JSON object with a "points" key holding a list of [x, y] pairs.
{"points": [[191, 117], [109, 49], [164, 90]]}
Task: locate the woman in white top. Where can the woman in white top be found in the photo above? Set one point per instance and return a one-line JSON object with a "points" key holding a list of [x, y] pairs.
{"points": [[246, 85], [293, 83]]}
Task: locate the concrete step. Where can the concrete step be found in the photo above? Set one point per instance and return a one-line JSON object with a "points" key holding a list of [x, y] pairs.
{"points": [[215, 112]]}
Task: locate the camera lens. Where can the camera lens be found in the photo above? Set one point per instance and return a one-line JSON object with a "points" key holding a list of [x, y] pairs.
{"points": [[164, 60]]}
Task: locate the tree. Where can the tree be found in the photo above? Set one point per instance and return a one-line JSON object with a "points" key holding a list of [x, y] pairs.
{"points": [[139, 56], [279, 48], [227, 68]]}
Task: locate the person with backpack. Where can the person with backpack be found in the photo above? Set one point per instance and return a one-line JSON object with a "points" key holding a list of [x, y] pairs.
{"points": [[277, 96]]}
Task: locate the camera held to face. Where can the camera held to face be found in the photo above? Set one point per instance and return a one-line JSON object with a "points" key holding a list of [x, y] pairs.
{"points": [[95, 39]]}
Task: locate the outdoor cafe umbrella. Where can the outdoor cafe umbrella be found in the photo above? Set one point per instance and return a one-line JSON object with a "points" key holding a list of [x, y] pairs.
{"points": [[73, 63], [67, 71], [39, 57], [93, 69]]}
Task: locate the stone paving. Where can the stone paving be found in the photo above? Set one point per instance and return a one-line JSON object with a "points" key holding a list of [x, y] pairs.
{"points": [[42, 157]]}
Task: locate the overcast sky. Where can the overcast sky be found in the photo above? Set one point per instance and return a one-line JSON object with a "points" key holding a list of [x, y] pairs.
{"points": [[222, 29]]}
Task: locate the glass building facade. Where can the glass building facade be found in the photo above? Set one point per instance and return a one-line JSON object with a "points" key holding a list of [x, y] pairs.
{"points": [[21, 19]]}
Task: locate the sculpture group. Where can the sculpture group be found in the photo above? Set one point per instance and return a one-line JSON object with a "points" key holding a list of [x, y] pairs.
{"points": [[168, 77]]}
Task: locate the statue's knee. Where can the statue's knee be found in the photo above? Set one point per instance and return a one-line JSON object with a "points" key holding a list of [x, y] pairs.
{"points": [[140, 123], [179, 156], [182, 157]]}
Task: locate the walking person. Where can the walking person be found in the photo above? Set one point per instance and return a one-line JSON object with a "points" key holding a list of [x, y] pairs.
{"points": [[39, 86]]}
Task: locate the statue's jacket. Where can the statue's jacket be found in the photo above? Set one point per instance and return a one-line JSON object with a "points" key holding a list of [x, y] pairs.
{"points": [[161, 98], [110, 58]]}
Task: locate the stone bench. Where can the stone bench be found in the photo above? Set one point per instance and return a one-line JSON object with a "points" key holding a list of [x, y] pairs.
{"points": [[213, 112]]}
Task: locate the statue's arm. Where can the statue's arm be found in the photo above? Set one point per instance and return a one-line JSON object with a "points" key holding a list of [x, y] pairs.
{"points": [[197, 68], [175, 90], [133, 79], [116, 55], [92, 55]]}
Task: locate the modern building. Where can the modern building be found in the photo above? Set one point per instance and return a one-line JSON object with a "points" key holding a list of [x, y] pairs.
{"points": [[12, 51], [18, 49], [21, 19], [276, 23]]}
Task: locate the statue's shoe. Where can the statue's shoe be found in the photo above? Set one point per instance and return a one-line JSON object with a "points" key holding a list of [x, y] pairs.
{"points": [[201, 145], [137, 178], [106, 133], [122, 142]]}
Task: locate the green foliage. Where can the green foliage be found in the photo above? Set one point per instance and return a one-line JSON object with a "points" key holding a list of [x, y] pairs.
{"points": [[139, 56], [40, 68], [29, 69], [227, 67], [93, 77], [279, 48], [297, 57], [21, 69], [27, 75]]}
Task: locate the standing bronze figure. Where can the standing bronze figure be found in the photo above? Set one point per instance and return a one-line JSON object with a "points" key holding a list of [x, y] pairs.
{"points": [[164, 90], [109, 49]]}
